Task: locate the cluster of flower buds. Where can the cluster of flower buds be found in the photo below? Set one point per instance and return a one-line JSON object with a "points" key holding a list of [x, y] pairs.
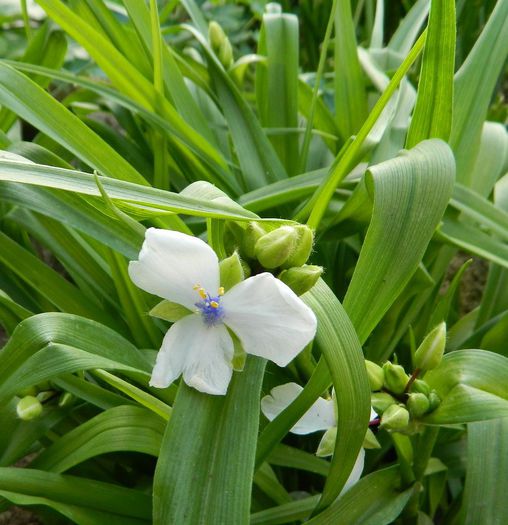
{"points": [[402, 399], [220, 44], [283, 250], [32, 400]]}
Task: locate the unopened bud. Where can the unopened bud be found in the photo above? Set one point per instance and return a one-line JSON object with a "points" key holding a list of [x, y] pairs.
{"points": [[327, 444], [29, 407], [65, 400], [216, 35], [418, 404], [303, 247], [430, 352], [380, 401], [434, 401], [231, 271], [250, 236], [275, 247], [225, 54], [301, 278], [395, 417], [420, 386], [395, 378], [375, 374]]}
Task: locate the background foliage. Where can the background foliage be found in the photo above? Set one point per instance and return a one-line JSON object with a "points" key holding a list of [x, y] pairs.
{"points": [[110, 110]]}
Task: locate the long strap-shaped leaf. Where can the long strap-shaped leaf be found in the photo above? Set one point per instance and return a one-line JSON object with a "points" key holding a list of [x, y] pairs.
{"points": [[432, 116], [486, 481], [216, 438], [410, 194], [86, 184], [32, 103]]}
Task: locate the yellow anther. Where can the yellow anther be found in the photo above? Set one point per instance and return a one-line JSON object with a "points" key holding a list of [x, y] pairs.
{"points": [[202, 293], [196, 287], [221, 290], [214, 304]]}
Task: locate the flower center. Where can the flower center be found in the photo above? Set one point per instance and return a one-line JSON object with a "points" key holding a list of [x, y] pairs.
{"points": [[209, 307]]}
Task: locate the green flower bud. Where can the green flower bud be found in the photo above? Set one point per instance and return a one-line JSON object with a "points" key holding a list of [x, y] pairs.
{"points": [[250, 236], [327, 444], [169, 311], [66, 399], [29, 391], [434, 401], [380, 401], [375, 374], [418, 404], [275, 247], [395, 378], [216, 35], [29, 407], [421, 387], [370, 440], [231, 271], [395, 417], [225, 54], [430, 352], [303, 247], [301, 278]]}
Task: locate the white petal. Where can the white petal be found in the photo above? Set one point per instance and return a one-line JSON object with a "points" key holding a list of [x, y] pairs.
{"points": [[356, 473], [320, 416], [373, 414], [171, 263], [268, 318], [202, 353]]}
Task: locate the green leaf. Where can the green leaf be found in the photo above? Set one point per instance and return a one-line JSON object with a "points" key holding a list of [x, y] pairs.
{"points": [[104, 501], [124, 428], [374, 500], [222, 496], [487, 456], [474, 83], [50, 344], [142, 197], [277, 83], [432, 117], [410, 194], [343, 354], [33, 104], [350, 95], [472, 386]]}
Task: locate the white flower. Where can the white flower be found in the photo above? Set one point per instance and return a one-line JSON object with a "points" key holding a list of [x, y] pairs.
{"points": [[320, 416], [267, 317]]}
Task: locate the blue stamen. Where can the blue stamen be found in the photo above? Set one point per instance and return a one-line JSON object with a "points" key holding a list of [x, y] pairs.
{"points": [[211, 310]]}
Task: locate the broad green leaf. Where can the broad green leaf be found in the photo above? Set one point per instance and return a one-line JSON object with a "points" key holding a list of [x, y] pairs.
{"points": [[124, 428], [410, 194], [474, 84], [142, 197], [405, 35], [50, 344], [432, 117], [350, 94], [277, 83], [104, 500], [222, 496], [472, 386], [486, 485], [374, 500], [343, 354]]}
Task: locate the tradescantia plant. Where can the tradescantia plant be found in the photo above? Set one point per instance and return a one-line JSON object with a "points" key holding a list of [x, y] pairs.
{"points": [[296, 182]]}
